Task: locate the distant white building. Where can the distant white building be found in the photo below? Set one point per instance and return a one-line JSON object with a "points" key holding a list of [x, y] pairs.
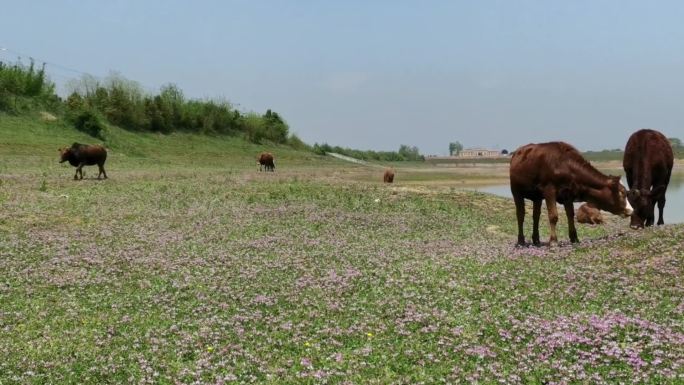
{"points": [[479, 153]]}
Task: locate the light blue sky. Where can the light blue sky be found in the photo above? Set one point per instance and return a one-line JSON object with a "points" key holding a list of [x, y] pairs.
{"points": [[377, 74]]}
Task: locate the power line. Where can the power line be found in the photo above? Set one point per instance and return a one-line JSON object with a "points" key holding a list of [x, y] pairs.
{"points": [[64, 68]]}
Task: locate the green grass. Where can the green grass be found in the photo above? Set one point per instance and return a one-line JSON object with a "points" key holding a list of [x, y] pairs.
{"points": [[191, 267], [35, 142]]}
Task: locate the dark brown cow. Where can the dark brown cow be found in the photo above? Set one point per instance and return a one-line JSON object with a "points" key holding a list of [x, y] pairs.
{"points": [[589, 214], [648, 166], [79, 155], [266, 161], [388, 177], [556, 172]]}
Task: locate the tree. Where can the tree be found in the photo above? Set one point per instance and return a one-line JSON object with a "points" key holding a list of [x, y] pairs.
{"points": [[455, 148], [276, 128], [677, 146], [409, 152]]}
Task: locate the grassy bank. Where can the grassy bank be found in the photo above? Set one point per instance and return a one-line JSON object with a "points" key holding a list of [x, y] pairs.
{"points": [[31, 143], [191, 267]]}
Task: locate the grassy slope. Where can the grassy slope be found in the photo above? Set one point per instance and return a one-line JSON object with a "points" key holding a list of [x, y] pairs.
{"points": [[34, 143], [184, 275]]}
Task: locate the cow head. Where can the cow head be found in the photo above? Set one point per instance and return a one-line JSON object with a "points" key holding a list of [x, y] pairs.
{"points": [[64, 154], [613, 198], [644, 201]]}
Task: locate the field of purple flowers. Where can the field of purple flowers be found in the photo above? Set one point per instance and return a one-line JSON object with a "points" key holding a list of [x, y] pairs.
{"points": [[191, 277]]}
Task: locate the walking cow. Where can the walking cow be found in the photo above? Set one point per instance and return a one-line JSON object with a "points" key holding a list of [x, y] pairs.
{"points": [[79, 155], [556, 172], [648, 165]]}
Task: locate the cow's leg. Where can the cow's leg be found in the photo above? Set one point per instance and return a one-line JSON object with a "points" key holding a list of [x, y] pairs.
{"points": [[536, 213], [520, 214], [650, 218], [661, 207], [628, 176], [570, 213], [550, 197], [661, 201], [102, 171], [79, 171]]}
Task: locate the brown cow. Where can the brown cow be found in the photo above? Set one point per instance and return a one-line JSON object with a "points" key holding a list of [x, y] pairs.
{"points": [[648, 165], [589, 214], [79, 155], [266, 161], [556, 172], [389, 176]]}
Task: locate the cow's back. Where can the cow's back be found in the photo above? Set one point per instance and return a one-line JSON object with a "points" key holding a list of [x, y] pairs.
{"points": [[648, 154], [266, 158], [88, 154], [91, 154], [536, 164]]}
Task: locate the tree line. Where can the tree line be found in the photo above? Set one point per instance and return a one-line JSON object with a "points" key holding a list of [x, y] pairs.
{"points": [[92, 103], [405, 153], [25, 87]]}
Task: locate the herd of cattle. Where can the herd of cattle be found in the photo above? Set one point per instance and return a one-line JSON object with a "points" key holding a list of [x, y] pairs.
{"points": [[555, 172]]}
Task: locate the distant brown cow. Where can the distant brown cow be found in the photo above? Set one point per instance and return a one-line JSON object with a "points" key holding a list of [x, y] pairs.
{"points": [[266, 161], [556, 172], [648, 165], [79, 155], [389, 176], [589, 214]]}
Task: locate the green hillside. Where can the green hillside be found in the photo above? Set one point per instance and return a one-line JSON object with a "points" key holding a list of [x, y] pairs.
{"points": [[31, 142]]}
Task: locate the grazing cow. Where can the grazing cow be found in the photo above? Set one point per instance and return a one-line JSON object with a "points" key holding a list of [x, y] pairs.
{"points": [[648, 165], [79, 155], [589, 214], [556, 172], [389, 176], [266, 161]]}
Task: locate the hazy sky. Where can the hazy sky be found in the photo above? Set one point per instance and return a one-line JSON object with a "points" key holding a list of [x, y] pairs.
{"points": [[376, 74]]}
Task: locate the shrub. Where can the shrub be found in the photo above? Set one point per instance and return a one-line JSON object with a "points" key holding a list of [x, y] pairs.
{"points": [[88, 121]]}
